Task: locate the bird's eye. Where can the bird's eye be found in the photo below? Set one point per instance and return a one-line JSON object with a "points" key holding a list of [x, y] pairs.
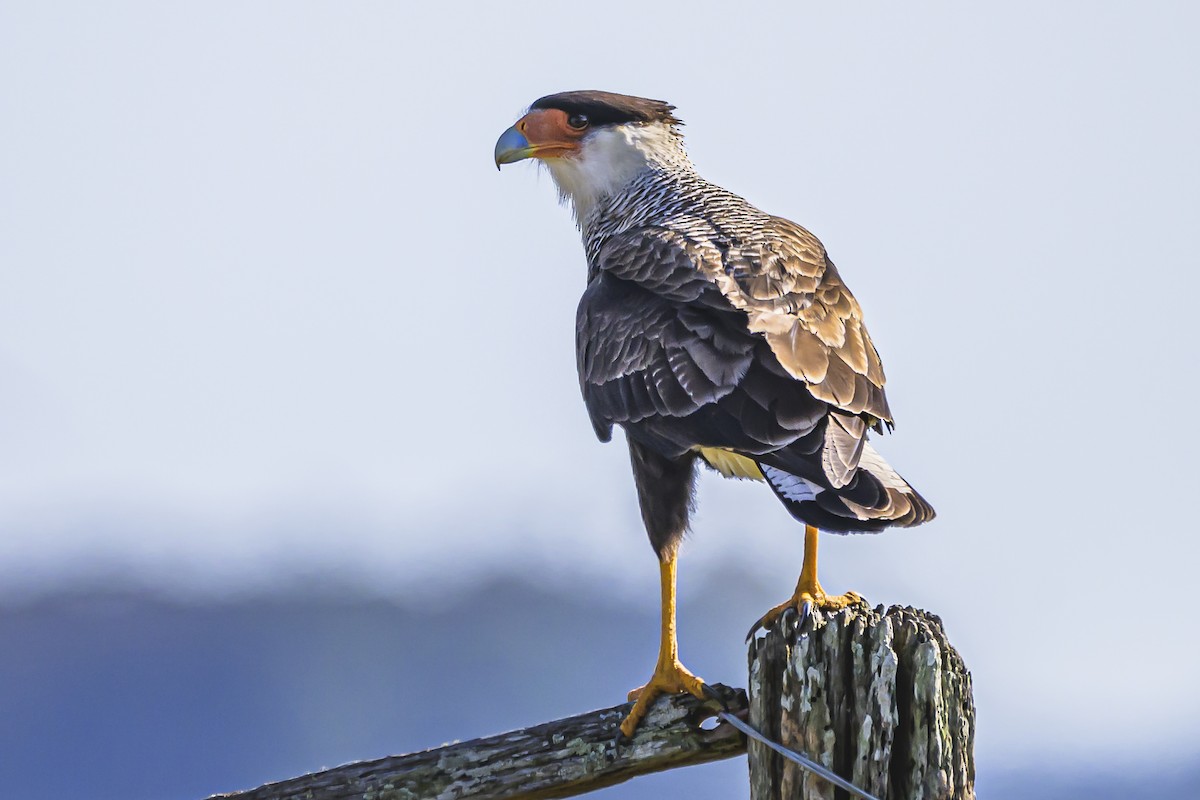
{"points": [[578, 121]]}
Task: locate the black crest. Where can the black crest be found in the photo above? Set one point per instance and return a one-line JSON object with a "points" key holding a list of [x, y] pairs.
{"points": [[607, 108]]}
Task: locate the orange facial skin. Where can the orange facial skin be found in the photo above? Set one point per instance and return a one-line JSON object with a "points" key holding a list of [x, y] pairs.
{"points": [[549, 134]]}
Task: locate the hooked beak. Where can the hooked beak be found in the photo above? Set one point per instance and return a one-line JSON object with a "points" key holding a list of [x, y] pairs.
{"points": [[542, 133], [512, 146]]}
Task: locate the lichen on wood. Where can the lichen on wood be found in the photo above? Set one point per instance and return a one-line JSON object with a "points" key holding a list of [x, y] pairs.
{"points": [[879, 697]]}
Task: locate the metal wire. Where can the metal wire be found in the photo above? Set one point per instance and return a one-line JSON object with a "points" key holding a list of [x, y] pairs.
{"points": [[801, 759]]}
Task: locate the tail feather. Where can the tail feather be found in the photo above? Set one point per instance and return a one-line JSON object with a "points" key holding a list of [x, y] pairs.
{"points": [[876, 497]]}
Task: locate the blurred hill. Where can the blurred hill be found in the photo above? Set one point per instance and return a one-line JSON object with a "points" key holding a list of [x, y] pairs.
{"points": [[119, 696]]}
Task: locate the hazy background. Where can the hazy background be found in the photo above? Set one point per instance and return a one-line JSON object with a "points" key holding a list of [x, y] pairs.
{"points": [[293, 467]]}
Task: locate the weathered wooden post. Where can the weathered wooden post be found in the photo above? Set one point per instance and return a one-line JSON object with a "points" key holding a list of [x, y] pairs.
{"points": [[879, 697]]}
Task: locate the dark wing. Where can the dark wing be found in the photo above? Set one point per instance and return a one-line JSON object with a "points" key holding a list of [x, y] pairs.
{"points": [[789, 290], [641, 355], [663, 351]]}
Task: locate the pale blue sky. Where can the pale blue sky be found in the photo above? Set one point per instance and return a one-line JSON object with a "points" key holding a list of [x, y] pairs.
{"points": [[267, 310]]}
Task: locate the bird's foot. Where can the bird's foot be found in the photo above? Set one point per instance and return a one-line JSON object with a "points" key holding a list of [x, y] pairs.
{"points": [[803, 602], [670, 677]]}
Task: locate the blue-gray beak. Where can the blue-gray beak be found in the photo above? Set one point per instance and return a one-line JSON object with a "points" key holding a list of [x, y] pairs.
{"points": [[512, 146]]}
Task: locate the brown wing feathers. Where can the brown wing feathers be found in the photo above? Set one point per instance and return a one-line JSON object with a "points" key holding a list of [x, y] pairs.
{"points": [[817, 333]]}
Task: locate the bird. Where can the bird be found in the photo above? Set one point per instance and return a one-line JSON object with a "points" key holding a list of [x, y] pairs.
{"points": [[713, 334]]}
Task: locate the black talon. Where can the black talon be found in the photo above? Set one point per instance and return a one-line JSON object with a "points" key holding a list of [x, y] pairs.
{"points": [[762, 623], [754, 629]]}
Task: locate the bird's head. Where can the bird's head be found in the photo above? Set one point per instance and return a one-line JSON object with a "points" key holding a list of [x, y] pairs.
{"points": [[594, 142]]}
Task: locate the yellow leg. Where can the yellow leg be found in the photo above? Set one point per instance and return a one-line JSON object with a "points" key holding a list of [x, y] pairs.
{"points": [[808, 588], [669, 675]]}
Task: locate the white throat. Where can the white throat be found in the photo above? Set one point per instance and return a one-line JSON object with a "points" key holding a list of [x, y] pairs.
{"points": [[610, 158]]}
